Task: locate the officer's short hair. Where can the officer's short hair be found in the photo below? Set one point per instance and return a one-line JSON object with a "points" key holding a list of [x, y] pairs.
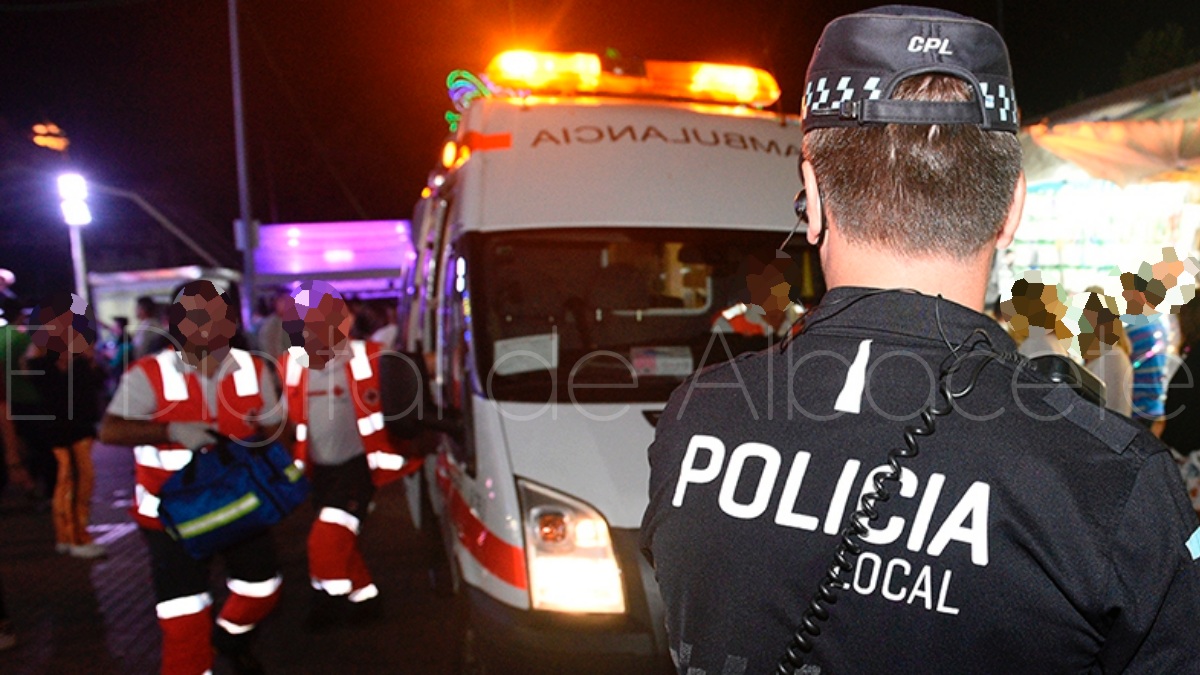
{"points": [[910, 122], [918, 189]]}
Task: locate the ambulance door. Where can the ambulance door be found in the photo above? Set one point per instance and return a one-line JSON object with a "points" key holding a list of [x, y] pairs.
{"points": [[455, 364], [424, 305]]}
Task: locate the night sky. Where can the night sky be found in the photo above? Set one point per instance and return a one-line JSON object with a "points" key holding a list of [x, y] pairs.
{"points": [[345, 98]]}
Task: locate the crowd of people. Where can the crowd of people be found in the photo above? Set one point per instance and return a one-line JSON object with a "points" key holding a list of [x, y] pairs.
{"points": [[1138, 345], [169, 386]]}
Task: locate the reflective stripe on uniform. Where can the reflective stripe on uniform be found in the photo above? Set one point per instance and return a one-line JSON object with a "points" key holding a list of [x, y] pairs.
{"points": [[147, 504], [297, 358], [174, 383], [245, 378], [360, 365], [185, 606], [370, 424], [850, 398], [385, 461], [333, 586], [339, 517], [363, 594], [233, 628], [254, 589], [737, 310], [168, 460]]}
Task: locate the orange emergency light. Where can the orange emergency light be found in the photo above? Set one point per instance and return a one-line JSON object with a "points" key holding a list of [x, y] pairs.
{"points": [[578, 73]]}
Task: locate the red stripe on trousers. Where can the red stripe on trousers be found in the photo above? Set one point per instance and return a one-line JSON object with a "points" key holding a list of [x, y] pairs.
{"points": [[186, 643], [242, 610], [333, 554]]}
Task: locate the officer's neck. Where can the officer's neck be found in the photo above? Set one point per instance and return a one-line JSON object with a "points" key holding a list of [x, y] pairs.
{"points": [[850, 264]]}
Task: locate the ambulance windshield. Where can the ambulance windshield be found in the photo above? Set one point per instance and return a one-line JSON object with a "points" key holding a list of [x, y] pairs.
{"points": [[625, 314]]}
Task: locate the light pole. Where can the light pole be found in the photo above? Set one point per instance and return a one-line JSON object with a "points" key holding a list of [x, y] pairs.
{"points": [[72, 188], [246, 225], [161, 219]]}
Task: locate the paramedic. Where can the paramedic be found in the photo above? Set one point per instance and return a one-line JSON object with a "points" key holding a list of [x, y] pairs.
{"points": [[334, 399], [167, 405]]}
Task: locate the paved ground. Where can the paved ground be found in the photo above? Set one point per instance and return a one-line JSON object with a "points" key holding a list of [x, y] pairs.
{"points": [[97, 617]]}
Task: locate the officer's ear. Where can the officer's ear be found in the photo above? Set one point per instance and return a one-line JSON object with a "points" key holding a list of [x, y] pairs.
{"points": [[1013, 219], [812, 194]]}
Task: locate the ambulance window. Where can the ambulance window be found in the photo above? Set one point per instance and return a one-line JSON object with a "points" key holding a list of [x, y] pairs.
{"points": [[597, 306]]}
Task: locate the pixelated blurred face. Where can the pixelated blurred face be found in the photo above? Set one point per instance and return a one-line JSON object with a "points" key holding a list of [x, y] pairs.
{"points": [[769, 290], [1135, 301], [1052, 303], [1168, 272], [205, 325], [326, 327], [57, 334], [1089, 340]]}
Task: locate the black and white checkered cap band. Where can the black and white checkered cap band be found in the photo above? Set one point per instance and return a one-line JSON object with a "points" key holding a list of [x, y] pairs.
{"points": [[832, 100]]}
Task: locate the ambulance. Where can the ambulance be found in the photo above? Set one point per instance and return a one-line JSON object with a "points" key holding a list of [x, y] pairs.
{"points": [[584, 233]]}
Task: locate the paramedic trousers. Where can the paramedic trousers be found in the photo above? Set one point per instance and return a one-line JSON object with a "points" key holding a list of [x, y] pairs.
{"points": [[341, 495], [181, 590], [72, 505]]}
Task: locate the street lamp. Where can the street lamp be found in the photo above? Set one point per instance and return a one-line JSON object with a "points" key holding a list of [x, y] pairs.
{"points": [[72, 188]]}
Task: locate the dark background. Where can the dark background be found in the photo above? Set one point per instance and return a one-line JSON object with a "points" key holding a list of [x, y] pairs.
{"points": [[345, 98]]}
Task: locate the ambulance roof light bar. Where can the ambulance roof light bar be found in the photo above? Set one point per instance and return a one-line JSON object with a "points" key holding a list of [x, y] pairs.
{"points": [[580, 73]]}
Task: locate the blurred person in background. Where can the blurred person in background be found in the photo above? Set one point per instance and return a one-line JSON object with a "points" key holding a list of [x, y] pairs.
{"points": [[13, 343], [1182, 410], [61, 365], [1103, 345], [120, 353], [270, 338], [773, 280], [1035, 316], [387, 329], [26, 408], [150, 331], [1148, 324]]}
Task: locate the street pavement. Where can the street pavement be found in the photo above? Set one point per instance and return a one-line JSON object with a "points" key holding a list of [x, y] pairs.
{"points": [[97, 616]]}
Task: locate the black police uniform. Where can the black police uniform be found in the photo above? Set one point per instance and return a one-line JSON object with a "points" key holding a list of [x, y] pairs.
{"points": [[1036, 533]]}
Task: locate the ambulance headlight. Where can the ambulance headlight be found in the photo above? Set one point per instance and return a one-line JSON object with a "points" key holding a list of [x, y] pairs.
{"points": [[572, 566]]}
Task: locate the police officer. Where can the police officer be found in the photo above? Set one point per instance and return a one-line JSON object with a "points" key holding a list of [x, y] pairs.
{"points": [[1024, 530]]}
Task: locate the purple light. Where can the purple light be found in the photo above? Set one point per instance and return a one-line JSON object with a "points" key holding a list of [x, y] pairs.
{"points": [[352, 246]]}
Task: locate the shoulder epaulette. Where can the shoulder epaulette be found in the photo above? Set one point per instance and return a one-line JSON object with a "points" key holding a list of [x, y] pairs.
{"points": [[1110, 428]]}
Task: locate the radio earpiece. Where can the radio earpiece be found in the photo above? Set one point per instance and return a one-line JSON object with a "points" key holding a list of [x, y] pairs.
{"points": [[801, 206]]}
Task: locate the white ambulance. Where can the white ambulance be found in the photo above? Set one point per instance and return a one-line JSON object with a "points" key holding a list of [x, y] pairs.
{"points": [[584, 234]]}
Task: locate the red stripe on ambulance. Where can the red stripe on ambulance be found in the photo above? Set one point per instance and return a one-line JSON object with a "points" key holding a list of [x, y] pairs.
{"points": [[502, 559]]}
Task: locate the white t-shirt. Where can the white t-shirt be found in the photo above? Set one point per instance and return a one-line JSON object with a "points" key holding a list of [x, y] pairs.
{"points": [[1041, 342], [333, 436], [1114, 369]]}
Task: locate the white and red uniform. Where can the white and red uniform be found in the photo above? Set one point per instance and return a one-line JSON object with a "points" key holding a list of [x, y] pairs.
{"points": [[750, 321], [340, 436], [161, 388]]}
